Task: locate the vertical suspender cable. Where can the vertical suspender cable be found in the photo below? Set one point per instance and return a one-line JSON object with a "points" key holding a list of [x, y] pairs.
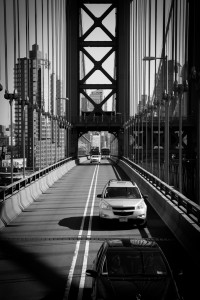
{"points": [[6, 78], [18, 29], [156, 82], [176, 39], [15, 60], [48, 54], [27, 29], [145, 79], [186, 39], [173, 42], [57, 104], [36, 52], [140, 74], [142, 82], [14, 30], [48, 58], [5, 43], [44, 64], [53, 76], [163, 48], [149, 86], [180, 104], [136, 71]]}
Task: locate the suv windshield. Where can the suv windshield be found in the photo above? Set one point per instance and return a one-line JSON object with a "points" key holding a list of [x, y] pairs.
{"points": [[122, 192]]}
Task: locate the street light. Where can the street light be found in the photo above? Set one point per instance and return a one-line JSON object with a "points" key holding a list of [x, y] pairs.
{"points": [[11, 97], [66, 130], [180, 89], [23, 103]]}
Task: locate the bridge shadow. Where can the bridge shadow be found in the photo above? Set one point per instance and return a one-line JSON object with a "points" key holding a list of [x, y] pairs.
{"points": [[74, 223], [43, 273]]}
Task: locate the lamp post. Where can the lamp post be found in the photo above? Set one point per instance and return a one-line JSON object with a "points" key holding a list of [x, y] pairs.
{"points": [[66, 131], [166, 98], [151, 110], [39, 111], [11, 97], [46, 115], [180, 89], [23, 103]]}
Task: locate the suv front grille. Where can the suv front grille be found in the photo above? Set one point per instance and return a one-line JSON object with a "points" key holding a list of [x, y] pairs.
{"points": [[123, 211], [130, 208]]}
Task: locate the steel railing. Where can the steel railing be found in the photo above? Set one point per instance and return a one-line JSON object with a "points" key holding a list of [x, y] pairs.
{"points": [[190, 208], [9, 190]]}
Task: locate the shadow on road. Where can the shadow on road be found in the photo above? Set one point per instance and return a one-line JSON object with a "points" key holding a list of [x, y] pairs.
{"points": [[74, 223]]}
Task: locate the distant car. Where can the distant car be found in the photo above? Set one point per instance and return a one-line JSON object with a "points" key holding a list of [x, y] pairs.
{"points": [[132, 269], [123, 201], [95, 159]]}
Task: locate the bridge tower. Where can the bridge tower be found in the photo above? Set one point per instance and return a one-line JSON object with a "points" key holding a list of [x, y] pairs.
{"points": [[82, 45]]}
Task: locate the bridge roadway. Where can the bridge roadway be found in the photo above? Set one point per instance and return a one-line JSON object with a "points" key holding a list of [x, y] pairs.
{"points": [[45, 250]]}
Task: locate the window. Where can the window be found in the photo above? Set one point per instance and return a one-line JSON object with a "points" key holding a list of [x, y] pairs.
{"points": [[122, 192]]}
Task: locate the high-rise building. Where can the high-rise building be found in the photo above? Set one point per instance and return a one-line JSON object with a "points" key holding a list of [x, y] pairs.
{"points": [[97, 97], [31, 79]]}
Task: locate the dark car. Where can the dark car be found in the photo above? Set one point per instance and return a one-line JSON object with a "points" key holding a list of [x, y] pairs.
{"points": [[132, 269]]}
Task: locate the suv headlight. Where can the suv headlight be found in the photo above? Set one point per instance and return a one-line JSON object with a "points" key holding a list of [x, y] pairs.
{"points": [[141, 205], [105, 205]]}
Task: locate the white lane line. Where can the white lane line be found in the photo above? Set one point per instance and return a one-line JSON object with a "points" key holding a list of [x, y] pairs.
{"points": [[86, 253], [117, 172], [147, 232], [71, 271]]}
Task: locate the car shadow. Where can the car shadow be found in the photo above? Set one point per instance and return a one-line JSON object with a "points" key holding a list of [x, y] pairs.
{"points": [[74, 223]]}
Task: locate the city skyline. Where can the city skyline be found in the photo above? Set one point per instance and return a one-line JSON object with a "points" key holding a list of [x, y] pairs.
{"points": [[20, 28]]}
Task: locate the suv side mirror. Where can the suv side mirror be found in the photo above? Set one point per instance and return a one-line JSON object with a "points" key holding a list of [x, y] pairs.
{"points": [[99, 195], [145, 197]]}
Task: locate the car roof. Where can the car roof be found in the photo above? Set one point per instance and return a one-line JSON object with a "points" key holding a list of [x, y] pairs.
{"points": [[121, 183], [132, 243]]}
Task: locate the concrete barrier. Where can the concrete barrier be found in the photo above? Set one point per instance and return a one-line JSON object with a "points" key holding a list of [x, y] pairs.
{"points": [[43, 184], [11, 209], [25, 197], [14, 205], [183, 228], [49, 179]]}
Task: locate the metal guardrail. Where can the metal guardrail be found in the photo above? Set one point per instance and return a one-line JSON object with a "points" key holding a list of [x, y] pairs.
{"points": [[190, 208], [15, 187]]}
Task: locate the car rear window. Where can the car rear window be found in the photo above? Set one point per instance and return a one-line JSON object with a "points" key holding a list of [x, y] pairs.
{"points": [[135, 263], [122, 192]]}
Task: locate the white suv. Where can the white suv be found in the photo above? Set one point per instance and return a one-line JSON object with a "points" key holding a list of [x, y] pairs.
{"points": [[122, 200]]}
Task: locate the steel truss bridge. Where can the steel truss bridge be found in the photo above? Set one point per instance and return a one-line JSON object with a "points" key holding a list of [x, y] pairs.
{"points": [[129, 68]]}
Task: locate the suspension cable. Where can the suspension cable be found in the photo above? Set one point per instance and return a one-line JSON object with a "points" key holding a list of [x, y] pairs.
{"points": [[48, 54], [5, 43], [18, 29], [14, 30], [27, 29]]}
